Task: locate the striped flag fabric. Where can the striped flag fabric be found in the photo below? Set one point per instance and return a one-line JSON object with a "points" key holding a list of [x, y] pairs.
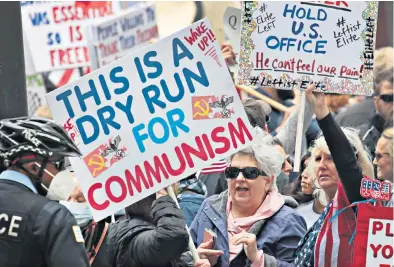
{"points": [[216, 167], [332, 247]]}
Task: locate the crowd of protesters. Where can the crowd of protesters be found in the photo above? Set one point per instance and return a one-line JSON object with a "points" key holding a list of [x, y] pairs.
{"points": [[257, 210]]}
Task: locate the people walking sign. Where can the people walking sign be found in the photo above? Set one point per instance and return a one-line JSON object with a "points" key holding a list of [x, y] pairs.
{"points": [[151, 118]]}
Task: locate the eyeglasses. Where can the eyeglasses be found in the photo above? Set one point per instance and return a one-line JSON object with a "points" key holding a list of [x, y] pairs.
{"points": [[386, 98], [378, 156], [60, 165], [248, 172], [289, 160]]}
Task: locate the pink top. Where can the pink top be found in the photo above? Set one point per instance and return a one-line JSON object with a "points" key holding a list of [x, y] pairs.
{"points": [[271, 204]]}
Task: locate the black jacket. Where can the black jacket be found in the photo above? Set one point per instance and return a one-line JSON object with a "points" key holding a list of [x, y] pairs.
{"points": [[346, 163], [35, 231], [356, 115], [136, 242], [371, 131]]}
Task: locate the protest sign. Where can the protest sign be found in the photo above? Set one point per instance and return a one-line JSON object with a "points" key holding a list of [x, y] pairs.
{"points": [[151, 118], [232, 32], [35, 92], [292, 44], [55, 33], [374, 242], [380, 248], [118, 36]]}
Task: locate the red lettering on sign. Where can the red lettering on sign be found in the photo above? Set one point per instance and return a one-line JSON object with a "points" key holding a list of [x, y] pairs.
{"points": [[162, 166], [196, 33]]}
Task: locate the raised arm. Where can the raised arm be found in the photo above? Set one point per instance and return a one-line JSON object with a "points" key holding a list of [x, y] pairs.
{"points": [[342, 153]]}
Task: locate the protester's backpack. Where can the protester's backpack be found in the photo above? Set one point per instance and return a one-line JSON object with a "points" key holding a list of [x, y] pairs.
{"points": [[94, 235]]}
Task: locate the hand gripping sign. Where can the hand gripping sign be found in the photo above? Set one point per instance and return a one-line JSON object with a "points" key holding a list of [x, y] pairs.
{"points": [[152, 118]]}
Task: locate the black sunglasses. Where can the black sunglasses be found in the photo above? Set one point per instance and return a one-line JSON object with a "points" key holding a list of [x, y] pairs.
{"points": [[248, 172], [386, 98]]}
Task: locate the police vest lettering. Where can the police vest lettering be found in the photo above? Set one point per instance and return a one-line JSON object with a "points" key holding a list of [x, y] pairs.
{"points": [[29, 135], [12, 226]]}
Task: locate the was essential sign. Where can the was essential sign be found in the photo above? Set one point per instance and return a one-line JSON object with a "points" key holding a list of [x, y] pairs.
{"points": [[292, 44], [118, 36], [151, 118], [55, 32]]}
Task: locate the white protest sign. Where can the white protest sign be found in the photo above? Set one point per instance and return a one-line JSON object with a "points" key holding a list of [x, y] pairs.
{"points": [[152, 118], [380, 248], [35, 92], [55, 32], [118, 36], [232, 32], [291, 44], [232, 27]]}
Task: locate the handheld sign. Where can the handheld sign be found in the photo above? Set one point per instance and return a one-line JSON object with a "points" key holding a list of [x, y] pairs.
{"points": [[152, 118], [293, 44], [35, 92], [118, 36], [375, 189], [232, 31], [55, 32], [374, 243]]}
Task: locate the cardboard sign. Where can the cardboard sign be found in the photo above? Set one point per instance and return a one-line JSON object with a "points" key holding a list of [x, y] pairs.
{"points": [[380, 248], [293, 44], [232, 32], [55, 32], [374, 240], [116, 37], [152, 118], [35, 93]]}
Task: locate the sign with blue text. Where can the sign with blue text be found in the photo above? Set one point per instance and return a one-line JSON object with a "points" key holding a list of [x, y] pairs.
{"points": [[118, 36], [289, 45], [151, 118]]}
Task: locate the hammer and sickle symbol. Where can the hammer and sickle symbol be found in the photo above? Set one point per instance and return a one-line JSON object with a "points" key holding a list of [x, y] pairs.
{"points": [[99, 162], [204, 112]]}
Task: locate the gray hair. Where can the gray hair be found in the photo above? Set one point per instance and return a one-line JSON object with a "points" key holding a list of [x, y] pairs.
{"points": [[256, 112], [268, 158]]}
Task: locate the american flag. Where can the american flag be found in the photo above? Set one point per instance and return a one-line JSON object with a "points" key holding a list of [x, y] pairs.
{"points": [[216, 167], [327, 243]]}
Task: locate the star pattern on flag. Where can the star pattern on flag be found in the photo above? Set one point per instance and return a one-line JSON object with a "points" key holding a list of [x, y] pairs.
{"points": [[306, 247]]}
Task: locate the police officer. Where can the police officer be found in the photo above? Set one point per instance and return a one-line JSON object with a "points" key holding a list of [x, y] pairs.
{"points": [[35, 231]]}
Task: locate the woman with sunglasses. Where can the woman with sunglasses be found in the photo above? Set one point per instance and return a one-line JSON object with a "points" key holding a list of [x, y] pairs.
{"points": [[339, 162], [384, 159], [251, 221]]}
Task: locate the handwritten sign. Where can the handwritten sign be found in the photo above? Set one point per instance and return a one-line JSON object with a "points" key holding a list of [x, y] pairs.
{"points": [[292, 44], [232, 31], [380, 249], [152, 118], [55, 32], [118, 36], [35, 92], [375, 189]]}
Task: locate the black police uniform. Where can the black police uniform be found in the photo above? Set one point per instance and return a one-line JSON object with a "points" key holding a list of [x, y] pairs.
{"points": [[37, 232]]}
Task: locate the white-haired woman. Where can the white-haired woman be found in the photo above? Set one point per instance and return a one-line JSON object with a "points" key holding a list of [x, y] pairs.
{"points": [[252, 223], [339, 162]]}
